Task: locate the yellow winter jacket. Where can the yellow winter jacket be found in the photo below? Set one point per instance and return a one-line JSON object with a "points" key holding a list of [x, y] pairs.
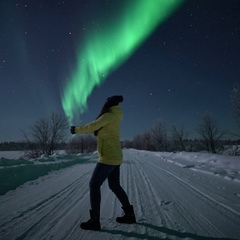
{"points": [[109, 148]]}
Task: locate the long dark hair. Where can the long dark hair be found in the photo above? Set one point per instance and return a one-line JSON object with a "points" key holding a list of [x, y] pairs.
{"points": [[105, 109], [110, 102]]}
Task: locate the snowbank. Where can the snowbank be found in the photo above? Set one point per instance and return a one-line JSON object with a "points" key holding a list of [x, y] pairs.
{"points": [[15, 172], [220, 165]]}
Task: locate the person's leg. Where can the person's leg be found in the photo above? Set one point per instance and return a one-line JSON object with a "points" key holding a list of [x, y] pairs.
{"points": [[114, 185], [101, 172]]}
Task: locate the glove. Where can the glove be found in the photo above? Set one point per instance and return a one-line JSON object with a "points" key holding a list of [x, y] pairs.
{"points": [[73, 130]]}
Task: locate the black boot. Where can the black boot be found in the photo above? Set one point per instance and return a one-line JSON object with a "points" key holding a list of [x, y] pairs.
{"points": [[128, 217], [93, 223]]}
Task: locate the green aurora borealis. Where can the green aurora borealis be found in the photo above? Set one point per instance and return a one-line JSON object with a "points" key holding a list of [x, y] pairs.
{"points": [[109, 46]]}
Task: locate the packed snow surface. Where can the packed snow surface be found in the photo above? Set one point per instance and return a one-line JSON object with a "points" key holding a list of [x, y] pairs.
{"points": [[175, 196]]}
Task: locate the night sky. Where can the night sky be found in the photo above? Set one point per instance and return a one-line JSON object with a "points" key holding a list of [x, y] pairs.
{"points": [[188, 66]]}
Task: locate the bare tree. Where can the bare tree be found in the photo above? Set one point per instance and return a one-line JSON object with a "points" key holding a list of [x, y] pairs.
{"points": [[82, 144], [58, 125], [236, 100], [236, 105], [127, 144], [138, 142], [159, 135], [45, 134], [209, 132], [149, 143], [178, 135]]}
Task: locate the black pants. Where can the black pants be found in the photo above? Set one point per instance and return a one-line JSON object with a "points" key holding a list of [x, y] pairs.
{"points": [[100, 174]]}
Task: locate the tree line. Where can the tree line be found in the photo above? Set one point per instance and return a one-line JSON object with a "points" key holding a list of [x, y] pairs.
{"points": [[161, 138], [49, 134], [211, 137]]}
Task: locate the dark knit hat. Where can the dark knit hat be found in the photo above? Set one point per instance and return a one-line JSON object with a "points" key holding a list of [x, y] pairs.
{"points": [[113, 101]]}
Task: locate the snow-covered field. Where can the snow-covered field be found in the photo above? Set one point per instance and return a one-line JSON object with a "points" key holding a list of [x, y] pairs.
{"points": [[175, 196]]}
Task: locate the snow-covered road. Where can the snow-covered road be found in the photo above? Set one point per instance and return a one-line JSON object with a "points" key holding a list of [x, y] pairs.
{"points": [[170, 201]]}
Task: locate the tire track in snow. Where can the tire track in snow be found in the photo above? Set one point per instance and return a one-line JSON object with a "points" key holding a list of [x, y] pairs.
{"points": [[43, 217], [221, 209], [65, 206], [144, 196], [213, 202], [176, 211], [161, 198], [182, 207], [131, 185]]}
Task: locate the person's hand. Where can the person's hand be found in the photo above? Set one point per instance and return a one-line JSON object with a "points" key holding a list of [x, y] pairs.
{"points": [[73, 130]]}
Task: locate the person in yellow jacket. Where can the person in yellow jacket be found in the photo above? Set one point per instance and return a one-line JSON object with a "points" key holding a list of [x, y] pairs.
{"points": [[107, 129]]}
